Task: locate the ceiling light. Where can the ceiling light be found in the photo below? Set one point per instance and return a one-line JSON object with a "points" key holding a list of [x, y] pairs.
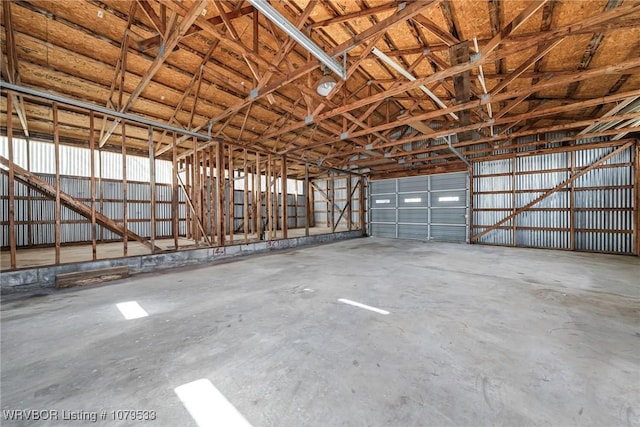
{"points": [[326, 84]]}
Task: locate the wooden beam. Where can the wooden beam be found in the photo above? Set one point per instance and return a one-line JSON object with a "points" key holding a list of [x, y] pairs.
{"points": [[551, 191], [58, 207], [245, 197], [165, 50], [220, 225], [92, 171], [152, 185], [449, 16], [305, 190], [175, 211], [157, 23], [540, 53], [408, 12], [591, 50], [637, 200], [70, 202], [355, 15], [232, 198], [154, 41], [285, 203], [11, 64], [125, 200], [459, 54], [11, 183], [361, 203]]}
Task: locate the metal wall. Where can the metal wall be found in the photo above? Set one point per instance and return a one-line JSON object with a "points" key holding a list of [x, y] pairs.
{"points": [[35, 213], [432, 207], [595, 213]]}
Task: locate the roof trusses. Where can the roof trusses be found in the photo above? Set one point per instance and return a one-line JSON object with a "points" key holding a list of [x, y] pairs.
{"points": [[223, 69]]}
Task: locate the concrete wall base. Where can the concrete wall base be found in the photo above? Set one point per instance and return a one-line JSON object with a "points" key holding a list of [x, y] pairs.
{"points": [[44, 277]]}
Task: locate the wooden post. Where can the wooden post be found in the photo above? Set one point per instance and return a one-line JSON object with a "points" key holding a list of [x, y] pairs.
{"points": [[269, 204], [471, 172], [245, 199], [637, 202], [349, 198], [29, 215], [220, 199], [514, 201], [363, 222], [187, 191], [175, 211], [12, 221], [257, 199], [125, 200], [306, 200], [152, 183], [56, 142], [212, 195], [285, 202], [572, 203], [232, 196], [333, 202], [92, 146], [311, 203], [100, 191], [195, 192]]}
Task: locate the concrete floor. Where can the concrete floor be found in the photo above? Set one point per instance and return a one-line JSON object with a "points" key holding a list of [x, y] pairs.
{"points": [[34, 257], [475, 335]]}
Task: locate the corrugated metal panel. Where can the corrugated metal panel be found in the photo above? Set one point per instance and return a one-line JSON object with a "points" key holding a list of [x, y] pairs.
{"points": [[550, 228]]}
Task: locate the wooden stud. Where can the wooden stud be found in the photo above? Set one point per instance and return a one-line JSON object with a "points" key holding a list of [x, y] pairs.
{"points": [[363, 212], [56, 141], [220, 196], [349, 201], [269, 197], [572, 204], [125, 201], [92, 145], [258, 226], [175, 212], [245, 198], [212, 194], [195, 194], [637, 201], [187, 193], [285, 202], [332, 182], [232, 198], [306, 188], [471, 202], [29, 215], [152, 186], [514, 202], [12, 223]]}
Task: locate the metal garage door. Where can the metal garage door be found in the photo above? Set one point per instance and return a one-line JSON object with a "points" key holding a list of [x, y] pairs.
{"points": [[432, 207]]}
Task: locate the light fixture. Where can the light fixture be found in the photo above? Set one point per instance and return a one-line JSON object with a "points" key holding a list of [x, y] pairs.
{"points": [[276, 17], [326, 83]]}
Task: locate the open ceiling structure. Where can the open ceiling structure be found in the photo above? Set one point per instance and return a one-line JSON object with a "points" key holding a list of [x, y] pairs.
{"points": [[430, 84]]}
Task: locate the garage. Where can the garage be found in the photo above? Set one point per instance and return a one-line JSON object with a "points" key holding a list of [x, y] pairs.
{"points": [[319, 213]]}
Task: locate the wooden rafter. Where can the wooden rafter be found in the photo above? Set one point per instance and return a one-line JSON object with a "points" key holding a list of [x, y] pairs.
{"points": [[166, 50]]}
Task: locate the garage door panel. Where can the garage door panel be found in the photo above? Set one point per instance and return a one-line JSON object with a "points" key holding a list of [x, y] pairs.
{"points": [[383, 215], [416, 183], [430, 207], [383, 201], [382, 187], [413, 216], [449, 216], [451, 198], [413, 231], [412, 200], [383, 230]]}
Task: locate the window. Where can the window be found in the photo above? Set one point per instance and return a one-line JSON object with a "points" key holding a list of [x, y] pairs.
{"points": [[449, 199]]}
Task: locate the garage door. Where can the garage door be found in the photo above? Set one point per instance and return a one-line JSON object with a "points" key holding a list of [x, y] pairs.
{"points": [[432, 207]]}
